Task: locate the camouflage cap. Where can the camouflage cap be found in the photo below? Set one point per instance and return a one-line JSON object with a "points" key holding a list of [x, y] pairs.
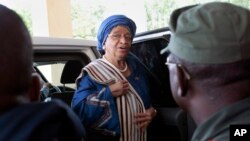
{"points": [[210, 33]]}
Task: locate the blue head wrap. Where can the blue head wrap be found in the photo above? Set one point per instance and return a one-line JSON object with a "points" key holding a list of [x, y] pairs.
{"points": [[108, 24]]}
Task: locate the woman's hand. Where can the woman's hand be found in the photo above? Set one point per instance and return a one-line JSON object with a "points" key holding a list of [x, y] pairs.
{"points": [[119, 88], [144, 119]]}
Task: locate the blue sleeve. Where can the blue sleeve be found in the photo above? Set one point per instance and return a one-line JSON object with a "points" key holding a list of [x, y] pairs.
{"points": [[95, 105]]}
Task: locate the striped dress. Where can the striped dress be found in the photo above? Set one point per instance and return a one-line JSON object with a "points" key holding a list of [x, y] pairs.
{"points": [[103, 72]]}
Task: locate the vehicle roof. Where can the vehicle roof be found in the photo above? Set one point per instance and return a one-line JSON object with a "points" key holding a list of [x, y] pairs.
{"points": [[61, 41], [52, 45]]}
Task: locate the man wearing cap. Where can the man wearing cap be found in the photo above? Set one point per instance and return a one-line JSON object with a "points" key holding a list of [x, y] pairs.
{"points": [[112, 97], [209, 64]]}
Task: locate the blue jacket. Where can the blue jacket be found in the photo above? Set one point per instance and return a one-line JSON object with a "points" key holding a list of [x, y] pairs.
{"points": [[102, 117]]}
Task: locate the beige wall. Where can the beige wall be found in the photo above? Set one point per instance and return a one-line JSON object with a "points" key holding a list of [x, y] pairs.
{"points": [[59, 18], [59, 25]]}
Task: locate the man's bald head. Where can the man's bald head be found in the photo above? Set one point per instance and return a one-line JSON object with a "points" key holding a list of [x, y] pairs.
{"points": [[15, 53]]}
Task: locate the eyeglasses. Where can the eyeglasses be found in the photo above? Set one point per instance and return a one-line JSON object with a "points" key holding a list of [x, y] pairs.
{"points": [[119, 36], [187, 75]]}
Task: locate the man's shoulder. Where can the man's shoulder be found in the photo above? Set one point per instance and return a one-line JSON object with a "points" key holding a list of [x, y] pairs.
{"points": [[36, 118], [52, 111]]}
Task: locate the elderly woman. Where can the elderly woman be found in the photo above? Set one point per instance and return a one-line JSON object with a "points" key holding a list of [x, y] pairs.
{"points": [[112, 97]]}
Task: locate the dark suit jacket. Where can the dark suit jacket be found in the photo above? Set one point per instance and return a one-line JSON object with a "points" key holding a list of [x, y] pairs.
{"points": [[41, 122]]}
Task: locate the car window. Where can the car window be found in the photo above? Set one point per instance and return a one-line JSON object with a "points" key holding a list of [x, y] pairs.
{"points": [[58, 73], [51, 71]]}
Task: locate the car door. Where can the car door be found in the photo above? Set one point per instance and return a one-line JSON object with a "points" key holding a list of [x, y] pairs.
{"points": [[171, 121]]}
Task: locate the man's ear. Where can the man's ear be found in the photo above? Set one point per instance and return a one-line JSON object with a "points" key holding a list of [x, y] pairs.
{"points": [[182, 80], [34, 92]]}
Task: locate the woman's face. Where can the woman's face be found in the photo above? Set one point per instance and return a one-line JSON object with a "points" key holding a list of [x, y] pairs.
{"points": [[118, 42]]}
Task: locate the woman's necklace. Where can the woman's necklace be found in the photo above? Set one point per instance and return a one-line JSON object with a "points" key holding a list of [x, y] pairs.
{"points": [[121, 70], [125, 69]]}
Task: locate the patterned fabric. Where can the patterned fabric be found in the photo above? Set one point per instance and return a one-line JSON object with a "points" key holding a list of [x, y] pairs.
{"points": [[104, 72]]}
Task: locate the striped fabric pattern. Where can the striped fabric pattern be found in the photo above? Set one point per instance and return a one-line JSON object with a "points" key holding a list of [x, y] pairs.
{"points": [[104, 72]]}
